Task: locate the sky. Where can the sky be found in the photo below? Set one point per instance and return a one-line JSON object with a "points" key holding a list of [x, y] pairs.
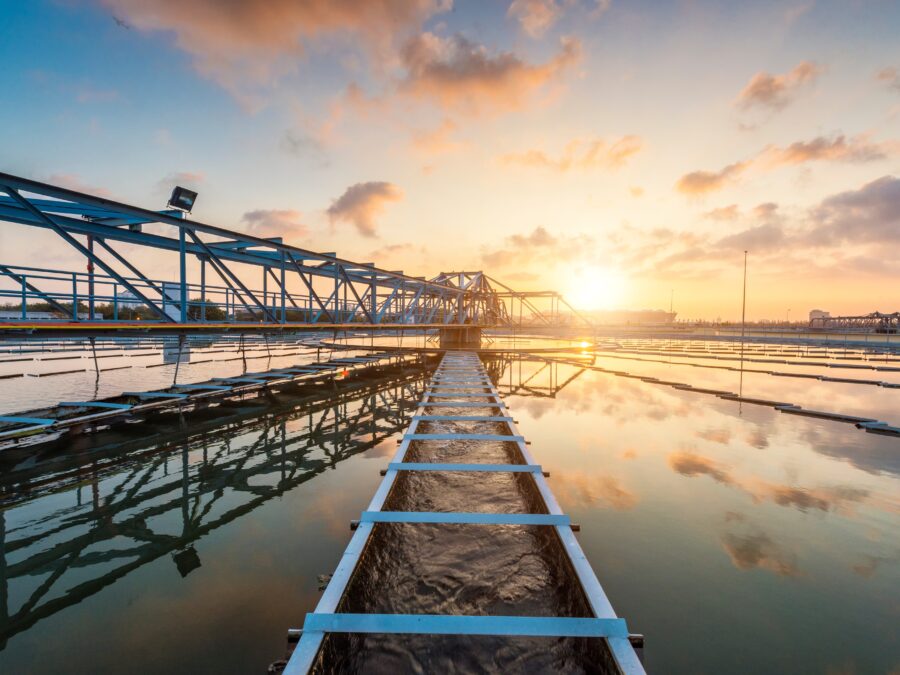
{"points": [[625, 153]]}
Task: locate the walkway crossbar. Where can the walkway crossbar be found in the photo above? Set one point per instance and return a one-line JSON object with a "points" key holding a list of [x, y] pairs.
{"points": [[437, 624], [440, 466]]}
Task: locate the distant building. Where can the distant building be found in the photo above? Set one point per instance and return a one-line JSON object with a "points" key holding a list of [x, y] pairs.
{"points": [[819, 314]]}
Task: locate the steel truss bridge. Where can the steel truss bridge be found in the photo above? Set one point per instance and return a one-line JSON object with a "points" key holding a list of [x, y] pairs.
{"points": [[875, 322], [226, 278], [192, 472]]}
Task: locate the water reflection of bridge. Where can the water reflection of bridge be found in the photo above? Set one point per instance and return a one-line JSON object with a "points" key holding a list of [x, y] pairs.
{"points": [[125, 494], [536, 376], [116, 523]]}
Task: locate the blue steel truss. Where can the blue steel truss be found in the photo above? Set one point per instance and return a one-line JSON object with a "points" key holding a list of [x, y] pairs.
{"points": [[298, 286]]}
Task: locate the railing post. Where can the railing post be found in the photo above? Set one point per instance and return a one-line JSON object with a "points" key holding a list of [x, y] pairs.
{"points": [[90, 266], [283, 291], [203, 290], [74, 296], [115, 302], [265, 290], [182, 268], [24, 298]]}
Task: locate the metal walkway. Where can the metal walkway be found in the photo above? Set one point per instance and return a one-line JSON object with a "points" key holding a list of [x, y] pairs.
{"points": [[458, 372]]}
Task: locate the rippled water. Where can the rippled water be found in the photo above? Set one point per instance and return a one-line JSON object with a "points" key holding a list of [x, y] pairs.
{"points": [[735, 537]]}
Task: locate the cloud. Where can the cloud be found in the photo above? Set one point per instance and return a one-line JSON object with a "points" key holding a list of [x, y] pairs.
{"points": [[72, 181], [522, 248], [856, 150], [836, 149], [636, 191], [700, 182], [303, 145], [581, 154], [391, 250], [723, 213], [253, 43], [535, 16], [362, 203], [759, 238], [869, 214], [459, 74], [284, 223], [775, 92], [890, 76], [437, 141]]}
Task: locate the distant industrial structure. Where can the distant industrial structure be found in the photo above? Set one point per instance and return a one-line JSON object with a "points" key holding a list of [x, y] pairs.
{"points": [[876, 322], [819, 314]]}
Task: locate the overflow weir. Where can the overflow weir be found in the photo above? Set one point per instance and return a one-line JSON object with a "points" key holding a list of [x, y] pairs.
{"points": [[463, 560]]}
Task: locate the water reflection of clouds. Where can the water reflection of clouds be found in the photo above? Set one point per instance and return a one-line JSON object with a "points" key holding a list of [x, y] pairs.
{"points": [[833, 498], [576, 489], [870, 564], [749, 547]]}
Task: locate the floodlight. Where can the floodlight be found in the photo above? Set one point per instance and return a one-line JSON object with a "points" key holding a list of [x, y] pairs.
{"points": [[182, 199]]}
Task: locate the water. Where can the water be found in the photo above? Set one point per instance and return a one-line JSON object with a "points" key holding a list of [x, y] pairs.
{"points": [[735, 537]]}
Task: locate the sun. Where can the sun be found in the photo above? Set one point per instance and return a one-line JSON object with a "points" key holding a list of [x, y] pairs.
{"points": [[596, 287]]}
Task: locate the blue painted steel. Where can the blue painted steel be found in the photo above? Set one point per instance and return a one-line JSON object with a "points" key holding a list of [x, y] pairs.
{"points": [[377, 295], [239, 380], [26, 420], [465, 518], [95, 404], [435, 466], [462, 418], [440, 624], [464, 437], [153, 394], [458, 404]]}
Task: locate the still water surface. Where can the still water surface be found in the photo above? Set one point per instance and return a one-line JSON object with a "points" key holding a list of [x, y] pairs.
{"points": [[736, 538]]}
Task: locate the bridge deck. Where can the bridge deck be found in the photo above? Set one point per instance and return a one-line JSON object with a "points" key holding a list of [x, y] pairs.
{"points": [[464, 370]]}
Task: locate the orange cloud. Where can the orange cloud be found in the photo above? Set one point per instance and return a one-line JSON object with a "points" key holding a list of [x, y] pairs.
{"points": [[777, 91], [437, 141], [729, 212], [581, 154], [858, 149], [71, 181], [837, 149], [700, 182], [362, 203], [890, 76], [460, 74], [534, 16], [254, 42], [274, 223], [521, 248]]}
